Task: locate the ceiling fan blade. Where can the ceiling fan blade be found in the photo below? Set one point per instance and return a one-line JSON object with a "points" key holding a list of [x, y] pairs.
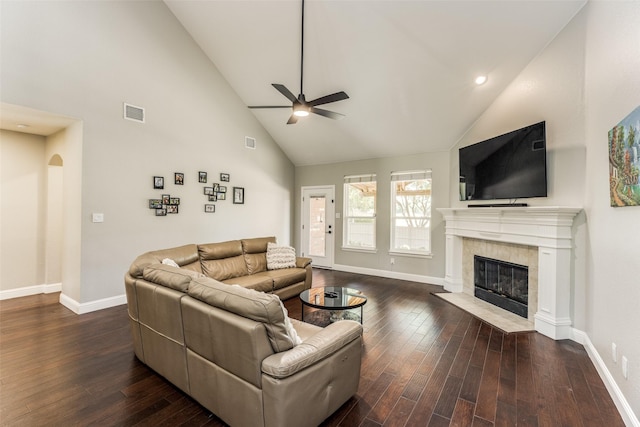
{"points": [[286, 92], [268, 106], [293, 120], [338, 96], [325, 113]]}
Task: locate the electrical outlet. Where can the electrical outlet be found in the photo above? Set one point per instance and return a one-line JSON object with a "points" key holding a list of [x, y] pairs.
{"points": [[393, 261], [625, 367], [614, 352]]}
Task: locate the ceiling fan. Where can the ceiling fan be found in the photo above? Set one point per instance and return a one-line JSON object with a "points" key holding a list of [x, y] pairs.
{"points": [[301, 107]]}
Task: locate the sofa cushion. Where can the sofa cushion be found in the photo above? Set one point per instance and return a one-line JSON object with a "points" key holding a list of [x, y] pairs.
{"points": [[169, 276], [279, 257], [222, 261], [254, 281], [255, 253], [185, 256], [286, 277], [258, 306]]}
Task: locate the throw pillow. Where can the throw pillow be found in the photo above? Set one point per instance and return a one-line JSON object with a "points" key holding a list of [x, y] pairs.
{"points": [[291, 332], [169, 261], [280, 257]]}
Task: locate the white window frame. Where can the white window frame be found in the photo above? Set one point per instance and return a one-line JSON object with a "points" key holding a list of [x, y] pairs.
{"points": [[409, 176], [348, 181]]}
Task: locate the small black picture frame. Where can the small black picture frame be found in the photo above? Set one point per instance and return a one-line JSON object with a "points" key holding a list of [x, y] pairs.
{"points": [[238, 195], [221, 196], [155, 204], [208, 191], [222, 189], [178, 178], [172, 209], [225, 177], [158, 182], [213, 198], [161, 212], [209, 208], [174, 201], [166, 198], [202, 177]]}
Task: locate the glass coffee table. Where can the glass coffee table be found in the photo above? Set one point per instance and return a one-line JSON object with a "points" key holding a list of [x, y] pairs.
{"points": [[335, 299]]}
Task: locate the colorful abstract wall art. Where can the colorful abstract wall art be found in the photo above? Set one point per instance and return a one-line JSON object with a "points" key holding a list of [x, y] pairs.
{"points": [[624, 161]]}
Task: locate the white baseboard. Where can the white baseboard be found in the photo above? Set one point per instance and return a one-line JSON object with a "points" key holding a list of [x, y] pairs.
{"points": [[439, 281], [618, 398], [30, 290], [88, 307]]}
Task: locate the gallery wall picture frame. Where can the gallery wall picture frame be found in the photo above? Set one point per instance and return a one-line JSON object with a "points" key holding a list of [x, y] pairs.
{"points": [[209, 208], [238, 195], [221, 196], [202, 177], [166, 198], [213, 198], [178, 178], [225, 177], [161, 212], [208, 191], [158, 182], [222, 189], [172, 209], [174, 201], [155, 204]]}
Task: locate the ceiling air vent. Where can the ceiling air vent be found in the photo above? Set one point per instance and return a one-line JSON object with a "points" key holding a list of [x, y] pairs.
{"points": [[250, 142], [131, 112]]}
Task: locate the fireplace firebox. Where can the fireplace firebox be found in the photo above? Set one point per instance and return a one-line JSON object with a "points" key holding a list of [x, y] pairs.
{"points": [[501, 283]]}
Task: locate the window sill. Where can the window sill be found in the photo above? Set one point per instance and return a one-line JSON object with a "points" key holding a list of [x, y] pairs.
{"points": [[363, 250], [412, 254]]}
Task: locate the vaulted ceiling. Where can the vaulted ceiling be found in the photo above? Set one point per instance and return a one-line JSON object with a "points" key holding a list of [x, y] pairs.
{"points": [[407, 66]]}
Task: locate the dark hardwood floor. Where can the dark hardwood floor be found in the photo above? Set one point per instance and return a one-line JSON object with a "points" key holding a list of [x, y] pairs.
{"points": [[425, 363]]}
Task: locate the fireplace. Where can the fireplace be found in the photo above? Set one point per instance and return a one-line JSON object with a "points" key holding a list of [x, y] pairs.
{"points": [[502, 284], [546, 229]]}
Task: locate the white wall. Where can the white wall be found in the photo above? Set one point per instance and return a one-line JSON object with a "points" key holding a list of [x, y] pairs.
{"points": [[583, 84], [23, 180], [54, 243], [83, 60], [431, 269], [612, 89]]}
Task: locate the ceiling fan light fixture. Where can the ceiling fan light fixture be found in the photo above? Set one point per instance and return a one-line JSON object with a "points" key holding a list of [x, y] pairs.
{"points": [[300, 111], [301, 107]]}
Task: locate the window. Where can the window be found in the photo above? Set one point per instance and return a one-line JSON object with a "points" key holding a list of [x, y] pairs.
{"points": [[359, 212], [411, 212]]}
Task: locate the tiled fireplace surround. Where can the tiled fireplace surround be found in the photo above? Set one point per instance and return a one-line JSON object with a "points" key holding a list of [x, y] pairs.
{"points": [[537, 237]]}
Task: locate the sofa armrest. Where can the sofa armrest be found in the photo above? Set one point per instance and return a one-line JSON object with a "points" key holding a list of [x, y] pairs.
{"points": [[302, 262], [319, 346]]}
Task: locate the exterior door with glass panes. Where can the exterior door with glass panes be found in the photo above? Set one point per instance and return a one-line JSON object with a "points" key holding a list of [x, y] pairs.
{"points": [[318, 213]]}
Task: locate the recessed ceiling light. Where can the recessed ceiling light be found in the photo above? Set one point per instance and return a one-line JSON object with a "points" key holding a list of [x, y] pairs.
{"points": [[480, 80]]}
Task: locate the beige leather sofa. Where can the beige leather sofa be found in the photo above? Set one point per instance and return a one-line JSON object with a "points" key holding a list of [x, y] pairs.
{"points": [[232, 348], [241, 262]]}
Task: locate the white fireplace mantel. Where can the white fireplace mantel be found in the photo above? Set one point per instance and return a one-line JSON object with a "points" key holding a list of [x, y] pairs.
{"points": [[549, 228]]}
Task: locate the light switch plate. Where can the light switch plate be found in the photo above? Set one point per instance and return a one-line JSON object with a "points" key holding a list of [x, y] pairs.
{"points": [[97, 217]]}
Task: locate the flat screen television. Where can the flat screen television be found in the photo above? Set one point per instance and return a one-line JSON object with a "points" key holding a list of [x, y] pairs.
{"points": [[509, 166]]}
